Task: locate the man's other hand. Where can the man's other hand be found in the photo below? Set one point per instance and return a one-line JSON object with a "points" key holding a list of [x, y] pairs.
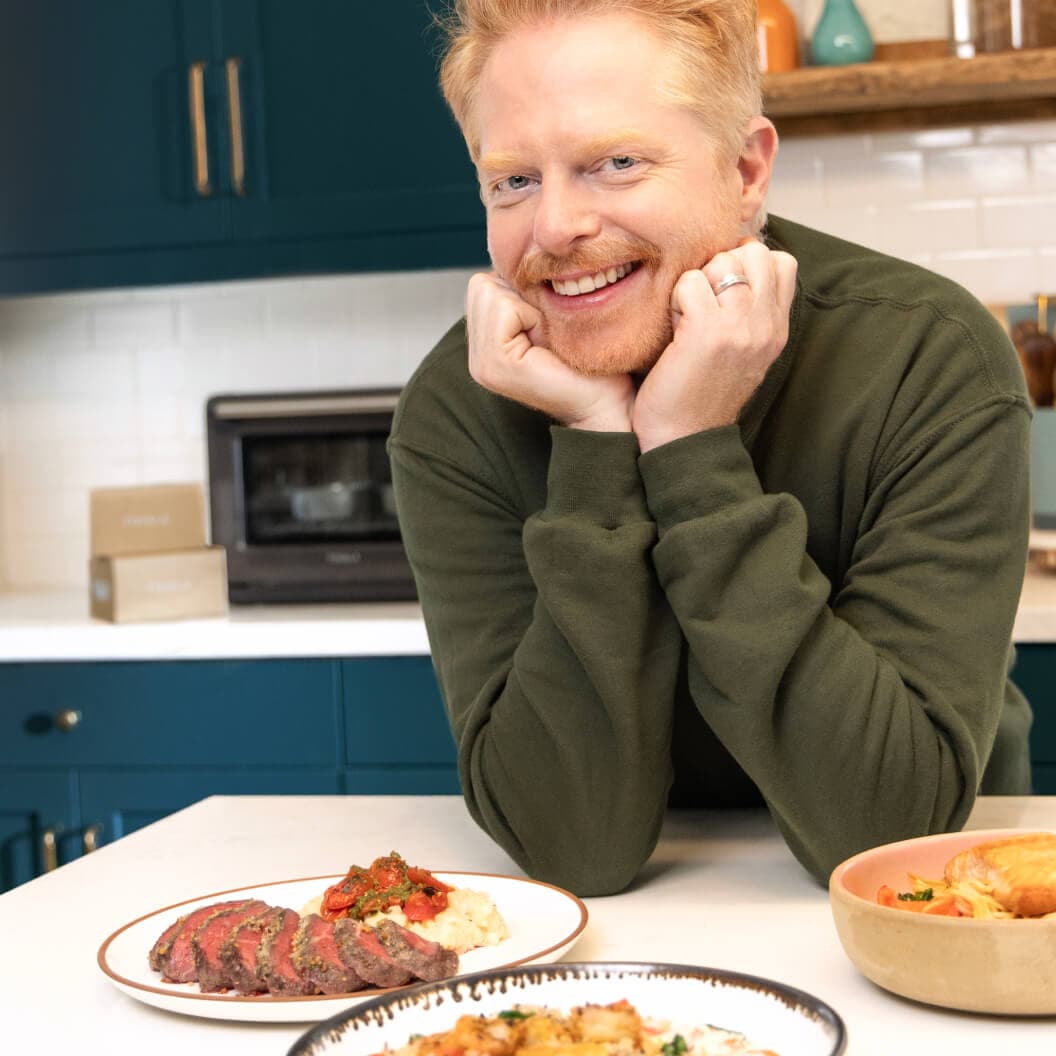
{"points": [[722, 347], [504, 357]]}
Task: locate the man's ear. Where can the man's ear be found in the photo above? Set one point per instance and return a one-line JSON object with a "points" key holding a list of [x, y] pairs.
{"points": [[755, 165]]}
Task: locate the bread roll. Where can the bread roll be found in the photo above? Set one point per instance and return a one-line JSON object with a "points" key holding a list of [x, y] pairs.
{"points": [[1020, 870]]}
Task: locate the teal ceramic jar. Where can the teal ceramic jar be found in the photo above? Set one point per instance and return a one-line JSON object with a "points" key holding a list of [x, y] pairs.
{"points": [[841, 35]]}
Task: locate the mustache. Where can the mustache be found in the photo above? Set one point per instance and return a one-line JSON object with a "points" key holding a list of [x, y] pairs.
{"points": [[595, 256]]}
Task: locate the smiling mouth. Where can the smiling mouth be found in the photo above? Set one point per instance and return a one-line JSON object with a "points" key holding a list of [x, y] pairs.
{"points": [[590, 283]]}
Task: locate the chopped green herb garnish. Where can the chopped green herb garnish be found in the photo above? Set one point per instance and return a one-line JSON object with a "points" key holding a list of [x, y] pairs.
{"points": [[916, 896], [514, 1013], [675, 1047]]}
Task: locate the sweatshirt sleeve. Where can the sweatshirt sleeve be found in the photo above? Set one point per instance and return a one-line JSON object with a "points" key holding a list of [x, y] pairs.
{"points": [[555, 649], [864, 710]]}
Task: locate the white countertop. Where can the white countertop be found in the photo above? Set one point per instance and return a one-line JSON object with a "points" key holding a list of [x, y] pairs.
{"points": [[732, 895], [56, 626]]}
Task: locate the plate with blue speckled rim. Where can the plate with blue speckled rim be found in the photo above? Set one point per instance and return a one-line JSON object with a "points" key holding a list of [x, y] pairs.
{"points": [[734, 1012]]}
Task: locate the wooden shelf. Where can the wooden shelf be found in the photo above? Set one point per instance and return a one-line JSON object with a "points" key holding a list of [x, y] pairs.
{"points": [[919, 93]]}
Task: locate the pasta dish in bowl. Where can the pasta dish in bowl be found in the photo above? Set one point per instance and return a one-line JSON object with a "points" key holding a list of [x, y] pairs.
{"points": [[963, 920]]}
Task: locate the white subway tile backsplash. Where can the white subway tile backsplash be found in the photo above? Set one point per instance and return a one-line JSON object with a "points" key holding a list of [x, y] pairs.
{"points": [[947, 225], [922, 139], [134, 323], [109, 387], [892, 177], [1043, 168], [996, 276], [1017, 132], [1015, 222], [1047, 272], [977, 171]]}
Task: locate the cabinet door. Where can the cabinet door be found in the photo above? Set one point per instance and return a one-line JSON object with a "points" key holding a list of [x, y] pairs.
{"points": [[345, 130], [165, 713], [96, 125], [116, 802], [1035, 674], [38, 823], [394, 713]]}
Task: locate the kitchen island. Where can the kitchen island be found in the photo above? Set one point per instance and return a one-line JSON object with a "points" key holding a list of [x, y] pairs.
{"points": [[721, 890]]}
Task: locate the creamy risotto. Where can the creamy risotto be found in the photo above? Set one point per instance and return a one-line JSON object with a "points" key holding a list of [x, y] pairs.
{"points": [[471, 919]]}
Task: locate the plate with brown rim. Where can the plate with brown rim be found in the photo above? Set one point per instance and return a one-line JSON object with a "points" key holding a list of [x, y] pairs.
{"points": [[543, 921]]}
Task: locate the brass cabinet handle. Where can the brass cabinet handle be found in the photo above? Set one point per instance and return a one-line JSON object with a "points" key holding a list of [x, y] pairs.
{"points": [[90, 840], [201, 147], [234, 114], [67, 719], [49, 850]]}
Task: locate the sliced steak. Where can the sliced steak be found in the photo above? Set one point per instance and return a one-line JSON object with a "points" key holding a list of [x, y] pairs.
{"points": [[177, 965], [238, 953], [160, 949], [423, 958], [361, 950], [210, 937], [276, 961], [316, 958]]}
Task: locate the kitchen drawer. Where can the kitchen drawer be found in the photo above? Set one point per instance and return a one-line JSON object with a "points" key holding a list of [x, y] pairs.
{"points": [[215, 713], [394, 712]]}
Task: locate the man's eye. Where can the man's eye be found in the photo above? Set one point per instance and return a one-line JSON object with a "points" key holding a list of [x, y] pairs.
{"points": [[513, 183], [622, 162]]}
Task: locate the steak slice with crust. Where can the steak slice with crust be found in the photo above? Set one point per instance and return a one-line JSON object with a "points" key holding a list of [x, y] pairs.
{"points": [[316, 957], [427, 960], [177, 964], [160, 949], [238, 954], [276, 961], [210, 937], [361, 949]]}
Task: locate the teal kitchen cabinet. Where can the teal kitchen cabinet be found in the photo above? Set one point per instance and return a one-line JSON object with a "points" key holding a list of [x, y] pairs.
{"points": [[1035, 674], [38, 823], [396, 734], [97, 128], [90, 751], [195, 140]]}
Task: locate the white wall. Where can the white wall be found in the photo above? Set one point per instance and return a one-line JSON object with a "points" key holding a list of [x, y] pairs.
{"points": [[110, 387]]}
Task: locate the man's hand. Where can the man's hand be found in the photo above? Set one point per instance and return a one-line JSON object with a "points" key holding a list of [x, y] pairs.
{"points": [[504, 358], [722, 347]]}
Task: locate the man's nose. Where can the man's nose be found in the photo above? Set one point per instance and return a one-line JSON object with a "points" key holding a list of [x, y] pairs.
{"points": [[565, 213]]}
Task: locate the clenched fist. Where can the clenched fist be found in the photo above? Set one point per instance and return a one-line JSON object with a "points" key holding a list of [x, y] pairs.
{"points": [[722, 347], [504, 357]]}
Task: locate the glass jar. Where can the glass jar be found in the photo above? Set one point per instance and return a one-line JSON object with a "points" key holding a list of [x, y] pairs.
{"points": [[1004, 25]]}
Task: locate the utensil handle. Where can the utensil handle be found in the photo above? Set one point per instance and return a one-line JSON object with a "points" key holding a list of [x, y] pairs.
{"points": [[90, 840]]}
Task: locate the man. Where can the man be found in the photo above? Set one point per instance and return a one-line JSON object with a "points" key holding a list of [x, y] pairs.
{"points": [[699, 517]]}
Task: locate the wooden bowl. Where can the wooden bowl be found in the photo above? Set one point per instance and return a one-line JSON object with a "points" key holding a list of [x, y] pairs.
{"points": [[1006, 967]]}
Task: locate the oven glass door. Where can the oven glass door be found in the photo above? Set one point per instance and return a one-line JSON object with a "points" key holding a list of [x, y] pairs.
{"points": [[311, 488]]}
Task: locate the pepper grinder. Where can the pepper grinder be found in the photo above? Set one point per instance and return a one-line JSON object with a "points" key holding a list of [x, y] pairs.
{"points": [[841, 35]]}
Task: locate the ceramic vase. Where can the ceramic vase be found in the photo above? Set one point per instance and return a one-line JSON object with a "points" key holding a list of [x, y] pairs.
{"points": [[841, 35]]}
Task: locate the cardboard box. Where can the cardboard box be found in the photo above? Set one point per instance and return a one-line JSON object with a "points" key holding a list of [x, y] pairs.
{"points": [[146, 519], [176, 585]]}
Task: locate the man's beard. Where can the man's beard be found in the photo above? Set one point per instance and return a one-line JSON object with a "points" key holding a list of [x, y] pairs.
{"points": [[609, 341]]}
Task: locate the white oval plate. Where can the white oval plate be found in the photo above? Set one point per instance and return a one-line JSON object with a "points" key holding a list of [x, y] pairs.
{"points": [[771, 1015], [543, 922]]}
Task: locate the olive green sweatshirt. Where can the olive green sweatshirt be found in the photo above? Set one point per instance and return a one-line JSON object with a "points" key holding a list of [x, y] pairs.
{"points": [[812, 608]]}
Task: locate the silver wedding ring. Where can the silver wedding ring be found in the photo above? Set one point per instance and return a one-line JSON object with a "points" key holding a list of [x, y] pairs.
{"points": [[727, 281]]}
